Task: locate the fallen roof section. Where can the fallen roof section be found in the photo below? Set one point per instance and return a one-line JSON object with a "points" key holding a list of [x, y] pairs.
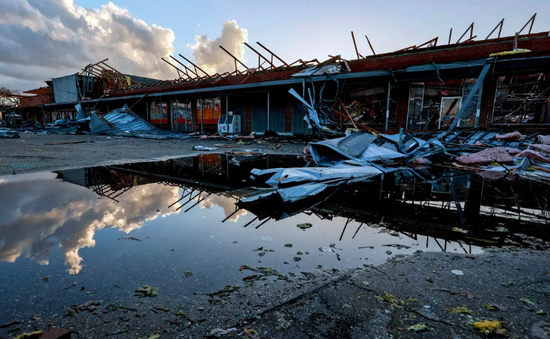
{"points": [[124, 122]]}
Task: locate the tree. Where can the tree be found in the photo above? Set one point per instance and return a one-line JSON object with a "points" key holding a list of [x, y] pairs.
{"points": [[7, 98]]}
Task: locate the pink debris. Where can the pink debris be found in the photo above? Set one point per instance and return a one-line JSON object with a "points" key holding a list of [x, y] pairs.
{"points": [[511, 151], [541, 147], [537, 156], [419, 162], [544, 139], [485, 157], [492, 175], [509, 136]]}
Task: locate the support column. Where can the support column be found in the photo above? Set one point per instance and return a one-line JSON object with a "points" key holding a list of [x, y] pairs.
{"points": [[478, 106], [226, 104], [388, 105], [202, 116], [268, 110]]}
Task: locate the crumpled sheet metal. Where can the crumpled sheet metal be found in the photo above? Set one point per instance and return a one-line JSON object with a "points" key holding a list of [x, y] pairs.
{"points": [[362, 156], [129, 124], [285, 177], [358, 148], [8, 133], [294, 193], [312, 117], [63, 130]]}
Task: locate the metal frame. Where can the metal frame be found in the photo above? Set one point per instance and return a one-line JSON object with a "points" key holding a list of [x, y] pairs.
{"points": [[441, 109], [409, 101]]}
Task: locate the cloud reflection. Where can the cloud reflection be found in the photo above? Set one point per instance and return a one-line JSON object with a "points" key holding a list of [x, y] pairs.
{"points": [[227, 204], [42, 213]]}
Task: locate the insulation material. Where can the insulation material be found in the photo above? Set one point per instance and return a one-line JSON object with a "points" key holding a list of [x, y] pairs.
{"points": [[509, 136], [537, 156], [544, 139], [485, 157], [541, 147]]}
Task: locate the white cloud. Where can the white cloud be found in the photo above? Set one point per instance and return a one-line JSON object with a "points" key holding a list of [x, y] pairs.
{"points": [[210, 57], [50, 38]]}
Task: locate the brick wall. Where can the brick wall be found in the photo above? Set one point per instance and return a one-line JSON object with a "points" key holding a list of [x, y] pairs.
{"points": [[288, 114], [538, 44]]}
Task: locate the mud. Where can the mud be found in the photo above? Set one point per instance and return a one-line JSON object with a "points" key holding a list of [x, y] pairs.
{"points": [[374, 302]]}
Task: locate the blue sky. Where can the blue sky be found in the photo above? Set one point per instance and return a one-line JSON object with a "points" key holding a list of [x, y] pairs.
{"points": [[43, 39], [313, 29]]}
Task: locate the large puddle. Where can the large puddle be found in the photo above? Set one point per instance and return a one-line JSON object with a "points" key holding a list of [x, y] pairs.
{"points": [[97, 233]]}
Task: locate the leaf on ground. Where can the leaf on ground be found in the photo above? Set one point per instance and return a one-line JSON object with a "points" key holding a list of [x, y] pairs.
{"points": [[489, 326], [459, 310], [391, 299], [527, 301], [417, 328], [495, 307]]}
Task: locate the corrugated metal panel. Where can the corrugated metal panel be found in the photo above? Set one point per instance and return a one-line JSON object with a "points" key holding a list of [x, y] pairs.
{"points": [[65, 89], [124, 122], [299, 125], [259, 112], [77, 177], [36, 100], [277, 112], [237, 105], [142, 80]]}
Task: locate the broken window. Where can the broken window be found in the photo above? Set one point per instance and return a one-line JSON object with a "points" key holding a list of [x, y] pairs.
{"points": [[416, 104], [522, 99], [369, 104], [212, 110], [182, 115], [433, 105], [158, 112]]}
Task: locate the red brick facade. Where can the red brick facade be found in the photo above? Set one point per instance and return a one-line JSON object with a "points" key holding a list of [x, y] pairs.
{"points": [[288, 115]]}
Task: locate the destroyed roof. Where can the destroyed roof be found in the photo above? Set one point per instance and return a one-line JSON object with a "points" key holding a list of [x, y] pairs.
{"points": [[399, 60], [124, 122]]}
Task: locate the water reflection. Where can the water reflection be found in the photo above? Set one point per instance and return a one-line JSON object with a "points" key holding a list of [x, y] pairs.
{"points": [[38, 214], [461, 212]]}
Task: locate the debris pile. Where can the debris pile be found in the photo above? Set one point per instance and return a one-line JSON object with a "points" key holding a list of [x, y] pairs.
{"points": [[6, 133], [364, 155], [124, 122]]}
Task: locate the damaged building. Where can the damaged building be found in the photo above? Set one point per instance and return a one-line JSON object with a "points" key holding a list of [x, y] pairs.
{"points": [[421, 87]]}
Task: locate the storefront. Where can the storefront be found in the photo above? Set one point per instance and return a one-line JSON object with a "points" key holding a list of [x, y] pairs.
{"points": [[522, 99], [182, 115], [433, 105]]}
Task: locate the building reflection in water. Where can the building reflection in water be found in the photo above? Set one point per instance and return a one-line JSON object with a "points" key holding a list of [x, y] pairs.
{"points": [[40, 213]]}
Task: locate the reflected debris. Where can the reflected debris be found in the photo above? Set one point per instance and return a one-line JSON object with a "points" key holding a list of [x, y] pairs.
{"points": [[496, 214], [442, 204], [437, 158], [435, 203]]}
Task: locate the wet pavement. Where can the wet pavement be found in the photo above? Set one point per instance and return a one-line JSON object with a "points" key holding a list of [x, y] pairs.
{"points": [[67, 237]]}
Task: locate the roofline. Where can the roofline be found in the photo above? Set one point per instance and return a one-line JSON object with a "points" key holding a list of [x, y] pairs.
{"points": [[299, 80]]}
